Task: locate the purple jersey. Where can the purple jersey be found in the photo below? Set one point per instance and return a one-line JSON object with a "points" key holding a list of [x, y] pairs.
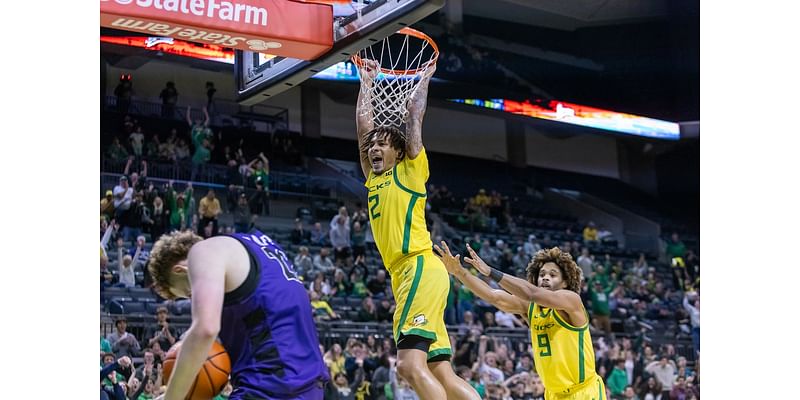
{"points": [[268, 328]]}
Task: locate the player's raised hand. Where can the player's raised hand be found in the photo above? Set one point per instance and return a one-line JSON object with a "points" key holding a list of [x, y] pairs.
{"points": [[369, 71], [429, 72], [451, 263], [477, 262]]}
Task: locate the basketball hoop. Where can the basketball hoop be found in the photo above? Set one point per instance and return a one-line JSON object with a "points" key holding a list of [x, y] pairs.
{"points": [[403, 58]]}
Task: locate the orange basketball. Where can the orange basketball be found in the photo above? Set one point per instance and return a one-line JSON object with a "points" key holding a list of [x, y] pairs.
{"points": [[212, 377]]}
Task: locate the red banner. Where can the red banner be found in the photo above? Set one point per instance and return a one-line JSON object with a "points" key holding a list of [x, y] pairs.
{"points": [[279, 27]]}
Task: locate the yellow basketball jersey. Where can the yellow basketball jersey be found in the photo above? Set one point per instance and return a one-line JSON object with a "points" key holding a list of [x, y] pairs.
{"points": [[563, 354], [397, 209]]}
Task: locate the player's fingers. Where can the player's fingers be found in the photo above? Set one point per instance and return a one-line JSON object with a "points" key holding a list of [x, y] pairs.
{"points": [[469, 260], [437, 250], [446, 246], [445, 250]]}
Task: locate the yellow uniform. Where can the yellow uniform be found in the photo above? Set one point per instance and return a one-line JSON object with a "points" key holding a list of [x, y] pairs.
{"points": [[564, 356], [397, 218]]}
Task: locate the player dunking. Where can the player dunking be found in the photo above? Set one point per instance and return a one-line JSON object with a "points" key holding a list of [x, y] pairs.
{"points": [[396, 167], [244, 289], [550, 299]]}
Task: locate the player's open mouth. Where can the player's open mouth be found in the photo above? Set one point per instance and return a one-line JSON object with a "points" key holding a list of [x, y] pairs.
{"points": [[376, 160]]}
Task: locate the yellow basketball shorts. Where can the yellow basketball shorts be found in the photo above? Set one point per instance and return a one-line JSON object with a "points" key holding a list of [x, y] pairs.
{"points": [[420, 285], [592, 389]]}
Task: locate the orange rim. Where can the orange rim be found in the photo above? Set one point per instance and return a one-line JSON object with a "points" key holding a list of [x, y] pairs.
{"points": [[409, 32]]}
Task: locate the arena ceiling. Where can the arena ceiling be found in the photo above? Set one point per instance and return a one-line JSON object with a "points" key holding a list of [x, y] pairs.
{"points": [[638, 56]]}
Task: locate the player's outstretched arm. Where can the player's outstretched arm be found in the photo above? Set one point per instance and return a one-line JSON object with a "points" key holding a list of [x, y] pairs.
{"points": [[364, 122], [189, 116], [417, 105], [566, 300], [127, 169], [207, 277], [498, 298]]}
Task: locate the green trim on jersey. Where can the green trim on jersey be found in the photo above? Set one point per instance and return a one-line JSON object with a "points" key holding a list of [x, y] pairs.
{"points": [[581, 372], [400, 185], [438, 352], [570, 327], [411, 293], [421, 333], [407, 225]]}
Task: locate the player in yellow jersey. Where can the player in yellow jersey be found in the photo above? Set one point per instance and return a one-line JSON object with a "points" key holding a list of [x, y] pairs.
{"points": [[396, 167], [550, 300]]}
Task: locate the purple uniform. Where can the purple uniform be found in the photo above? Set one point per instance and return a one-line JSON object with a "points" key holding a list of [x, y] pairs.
{"points": [[268, 329]]}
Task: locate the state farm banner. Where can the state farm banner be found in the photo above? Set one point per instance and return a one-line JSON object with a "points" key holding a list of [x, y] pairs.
{"points": [[279, 27]]}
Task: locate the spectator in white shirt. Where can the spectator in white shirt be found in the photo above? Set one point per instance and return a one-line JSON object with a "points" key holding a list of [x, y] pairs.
{"points": [[340, 236], [322, 261], [303, 262], [507, 320], [123, 196], [585, 263], [531, 246]]}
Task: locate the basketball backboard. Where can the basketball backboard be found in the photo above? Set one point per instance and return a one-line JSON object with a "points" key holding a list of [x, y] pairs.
{"points": [[355, 25]]}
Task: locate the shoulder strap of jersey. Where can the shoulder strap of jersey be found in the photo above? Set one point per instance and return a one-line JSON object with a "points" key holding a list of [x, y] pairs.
{"points": [[250, 283], [531, 307]]}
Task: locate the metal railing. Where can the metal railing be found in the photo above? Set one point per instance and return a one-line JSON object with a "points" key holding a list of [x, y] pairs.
{"points": [[276, 118], [328, 331], [215, 176]]}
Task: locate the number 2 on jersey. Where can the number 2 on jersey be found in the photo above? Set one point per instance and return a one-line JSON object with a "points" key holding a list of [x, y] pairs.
{"points": [[374, 206]]}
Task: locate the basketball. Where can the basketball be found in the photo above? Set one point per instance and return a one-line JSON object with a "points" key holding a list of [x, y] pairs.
{"points": [[212, 377]]}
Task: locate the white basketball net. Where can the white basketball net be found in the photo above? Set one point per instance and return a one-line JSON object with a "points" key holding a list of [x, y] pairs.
{"points": [[398, 80]]}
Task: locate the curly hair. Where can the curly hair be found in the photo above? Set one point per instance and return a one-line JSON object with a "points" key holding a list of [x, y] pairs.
{"points": [[569, 270], [396, 138], [169, 250]]}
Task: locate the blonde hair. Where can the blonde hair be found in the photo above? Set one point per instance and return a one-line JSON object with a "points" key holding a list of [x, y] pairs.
{"points": [[169, 250]]}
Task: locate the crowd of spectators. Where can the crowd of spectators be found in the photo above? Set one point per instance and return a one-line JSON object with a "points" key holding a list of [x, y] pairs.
{"points": [[339, 264], [177, 146]]}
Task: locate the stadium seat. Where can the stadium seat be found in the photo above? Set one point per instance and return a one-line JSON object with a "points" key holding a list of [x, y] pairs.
{"points": [[133, 307], [140, 292], [354, 303], [110, 292], [146, 299], [114, 307], [180, 307], [151, 307], [338, 302]]}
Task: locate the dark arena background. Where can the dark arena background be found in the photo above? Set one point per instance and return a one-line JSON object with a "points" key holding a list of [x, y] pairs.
{"points": [[570, 124]]}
